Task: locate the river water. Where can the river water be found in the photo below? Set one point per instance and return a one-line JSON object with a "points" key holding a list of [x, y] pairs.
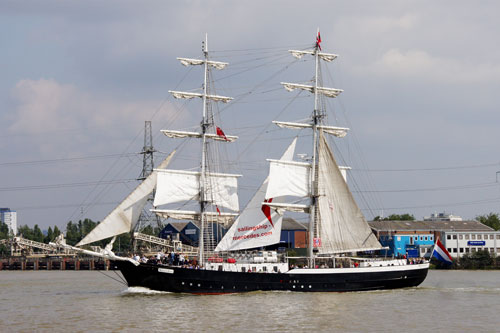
{"points": [[89, 301]]}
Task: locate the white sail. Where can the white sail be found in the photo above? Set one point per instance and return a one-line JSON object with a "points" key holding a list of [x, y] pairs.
{"points": [[124, 217], [223, 217], [257, 225], [341, 225], [175, 186], [339, 132], [328, 92], [184, 134], [189, 95], [288, 178], [214, 64], [324, 56], [179, 185]]}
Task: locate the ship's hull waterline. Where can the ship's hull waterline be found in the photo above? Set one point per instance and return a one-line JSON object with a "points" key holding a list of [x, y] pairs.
{"points": [[186, 280]]}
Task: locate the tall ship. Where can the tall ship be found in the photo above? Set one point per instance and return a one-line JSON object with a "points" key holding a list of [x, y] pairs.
{"points": [[338, 235]]}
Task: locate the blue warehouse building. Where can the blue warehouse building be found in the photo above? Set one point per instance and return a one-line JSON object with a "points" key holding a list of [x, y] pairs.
{"points": [[406, 244]]}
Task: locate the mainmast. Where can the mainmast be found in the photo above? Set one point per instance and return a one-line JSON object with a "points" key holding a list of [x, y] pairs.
{"points": [[307, 171], [314, 184]]}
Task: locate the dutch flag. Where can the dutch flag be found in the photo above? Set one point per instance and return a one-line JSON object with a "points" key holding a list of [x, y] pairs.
{"points": [[441, 253]]}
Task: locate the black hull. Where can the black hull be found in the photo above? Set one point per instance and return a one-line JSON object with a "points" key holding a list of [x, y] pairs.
{"points": [[184, 280]]}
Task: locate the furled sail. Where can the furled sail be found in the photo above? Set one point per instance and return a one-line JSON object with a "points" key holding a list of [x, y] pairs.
{"points": [[324, 56], [258, 225], [184, 134], [189, 95], [341, 225], [219, 217], [179, 185], [288, 178], [339, 132], [214, 64], [328, 92], [124, 217]]}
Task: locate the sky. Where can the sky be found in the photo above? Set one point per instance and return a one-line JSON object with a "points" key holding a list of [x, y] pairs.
{"points": [[79, 79]]}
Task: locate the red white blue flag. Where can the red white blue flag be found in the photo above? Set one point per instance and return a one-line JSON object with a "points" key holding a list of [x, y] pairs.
{"points": [[318, 41], [441, 253]]}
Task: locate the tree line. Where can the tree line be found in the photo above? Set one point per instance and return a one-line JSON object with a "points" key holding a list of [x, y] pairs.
{"points": [[75, 232]]}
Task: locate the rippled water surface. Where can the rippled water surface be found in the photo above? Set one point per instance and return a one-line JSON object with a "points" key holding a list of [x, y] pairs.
{"points": [[65, 301]]}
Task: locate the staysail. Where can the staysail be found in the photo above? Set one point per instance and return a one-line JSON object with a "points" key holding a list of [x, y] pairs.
{"points": [[258, 225], [341, 225], [124, 217]]}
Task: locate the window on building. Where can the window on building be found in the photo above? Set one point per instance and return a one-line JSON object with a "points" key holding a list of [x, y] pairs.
{"points": [[498, 236], [449, 249], [466, 250], [479, 236], [425, 238], [492, 236], [473, 249], [460, 236], [492, 250], [448, 236], [473, 236], [467, 236], [431, 237], [461, 250], [454, 236], [421, 238], [454, 250]]}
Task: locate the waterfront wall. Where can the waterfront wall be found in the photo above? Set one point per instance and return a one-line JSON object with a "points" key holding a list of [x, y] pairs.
{"points": [[62, 264]]}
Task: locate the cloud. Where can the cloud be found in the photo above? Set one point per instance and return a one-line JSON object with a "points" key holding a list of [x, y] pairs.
{"points": [[74, 117], [418, 64]]}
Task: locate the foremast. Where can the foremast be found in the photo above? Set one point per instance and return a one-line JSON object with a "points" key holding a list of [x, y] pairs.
{"points": [[207, 194]]}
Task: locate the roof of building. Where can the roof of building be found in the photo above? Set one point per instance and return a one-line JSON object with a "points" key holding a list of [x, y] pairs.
{"points": [[291, 224], [179, 225], [429, 226]]}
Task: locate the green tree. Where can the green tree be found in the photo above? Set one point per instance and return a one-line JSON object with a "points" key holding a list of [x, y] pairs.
{"points": [[56, 232], [37, 234], [4, 230], [72, 234], [491, 220], [25, 232], [49, 237], [396, 217], [476, 260]]}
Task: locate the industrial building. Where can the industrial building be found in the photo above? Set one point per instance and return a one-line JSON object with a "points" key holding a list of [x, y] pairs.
{"points": [[416, 238]]}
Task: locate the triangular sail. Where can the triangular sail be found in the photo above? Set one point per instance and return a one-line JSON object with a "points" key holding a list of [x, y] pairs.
{"points": [[124, 217], [253, 228], [341, 225]]}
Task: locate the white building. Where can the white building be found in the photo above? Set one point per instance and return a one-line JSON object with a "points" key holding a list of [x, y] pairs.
{"points": [[442, 217], [459, 243], [9, 217]]}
